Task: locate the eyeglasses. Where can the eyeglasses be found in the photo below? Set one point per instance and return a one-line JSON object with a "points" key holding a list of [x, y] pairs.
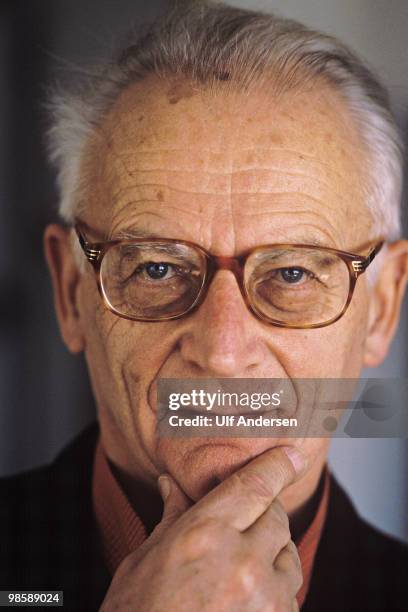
{"points": [[297, 286]]}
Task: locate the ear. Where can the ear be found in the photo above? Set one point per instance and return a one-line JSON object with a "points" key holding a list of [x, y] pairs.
{"points": [[385, 303], [65, 281]]}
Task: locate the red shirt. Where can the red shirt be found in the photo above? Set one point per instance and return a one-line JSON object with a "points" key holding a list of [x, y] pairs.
{"points": [[122, 530]]}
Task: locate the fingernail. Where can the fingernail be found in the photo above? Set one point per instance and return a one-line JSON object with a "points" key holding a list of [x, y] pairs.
{"points": [[164, 485], [297, 458]]}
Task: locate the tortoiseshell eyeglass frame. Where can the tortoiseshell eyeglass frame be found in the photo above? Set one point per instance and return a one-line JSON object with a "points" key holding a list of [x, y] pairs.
{"points": [[96, 251]]}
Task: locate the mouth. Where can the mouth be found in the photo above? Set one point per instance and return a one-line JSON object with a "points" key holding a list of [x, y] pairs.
{"points": [[278, 400]]}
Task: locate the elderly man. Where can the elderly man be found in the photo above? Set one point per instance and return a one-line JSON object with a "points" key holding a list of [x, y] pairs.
{"points": [[184, 165]]}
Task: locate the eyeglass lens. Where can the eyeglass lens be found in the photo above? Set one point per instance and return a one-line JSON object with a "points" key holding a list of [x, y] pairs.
{"points": [[297, 286], [291, 285]]}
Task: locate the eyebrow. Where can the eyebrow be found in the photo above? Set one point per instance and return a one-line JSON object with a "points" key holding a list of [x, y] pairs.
{"points": [[313, 241], [138, 232], [135, 234], [303, 239]]}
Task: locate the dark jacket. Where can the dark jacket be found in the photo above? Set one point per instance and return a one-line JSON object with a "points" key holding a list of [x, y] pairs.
{"points": [[49, 541]]}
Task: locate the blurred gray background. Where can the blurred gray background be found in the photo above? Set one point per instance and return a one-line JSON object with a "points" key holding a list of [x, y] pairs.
{"points": [[44, 392]]}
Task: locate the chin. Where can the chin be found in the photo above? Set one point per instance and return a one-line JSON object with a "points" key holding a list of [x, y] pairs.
{"points": [[200, 464]]}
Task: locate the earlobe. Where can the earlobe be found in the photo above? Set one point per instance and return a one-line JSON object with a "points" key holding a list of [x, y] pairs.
{"points": [[65, 281], [386, 299]]}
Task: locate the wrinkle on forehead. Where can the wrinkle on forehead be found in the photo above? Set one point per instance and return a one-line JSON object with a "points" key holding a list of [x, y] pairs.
{"points": [[207, 147]]}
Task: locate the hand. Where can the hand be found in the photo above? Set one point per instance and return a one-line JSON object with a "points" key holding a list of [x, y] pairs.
{"points": [[230, 552]]}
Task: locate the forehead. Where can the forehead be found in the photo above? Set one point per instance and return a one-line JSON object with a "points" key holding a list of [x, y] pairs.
{"points": [[179, 136]]}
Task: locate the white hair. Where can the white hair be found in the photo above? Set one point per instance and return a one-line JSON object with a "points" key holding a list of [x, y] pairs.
{"points": [[208, 42]]}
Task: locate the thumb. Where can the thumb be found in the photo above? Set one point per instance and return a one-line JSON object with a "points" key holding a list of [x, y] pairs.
{"points": [[175, 500]]}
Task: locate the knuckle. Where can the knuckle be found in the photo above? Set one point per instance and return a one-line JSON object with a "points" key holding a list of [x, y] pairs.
{"points": [[298, 577], [297, 580], [280, 534], [295, 553], [247, 575], [295, 571], [280, 513], [198, 538]]}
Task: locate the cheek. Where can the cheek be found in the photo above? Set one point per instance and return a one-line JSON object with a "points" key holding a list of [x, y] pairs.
{"points": [[113, 338], [123, 356], [334, 351], [353, 335]]}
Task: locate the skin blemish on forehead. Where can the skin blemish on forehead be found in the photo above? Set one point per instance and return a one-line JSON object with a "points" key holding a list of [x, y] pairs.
{"points": [[276, 137], [178, 91], [141, 118], [160, 196]]}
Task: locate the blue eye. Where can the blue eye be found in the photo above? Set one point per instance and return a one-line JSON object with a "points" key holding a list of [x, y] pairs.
{"points": [[292, 275], [157, 270]]}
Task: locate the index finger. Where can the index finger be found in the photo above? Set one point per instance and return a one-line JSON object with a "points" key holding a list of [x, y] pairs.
{"points": [[245, 495]]}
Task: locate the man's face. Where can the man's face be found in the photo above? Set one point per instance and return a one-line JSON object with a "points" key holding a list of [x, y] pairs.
{"points": [[228, 172]]}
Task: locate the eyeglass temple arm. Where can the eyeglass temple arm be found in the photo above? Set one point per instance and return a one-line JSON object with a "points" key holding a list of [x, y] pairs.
{"points": [[91, 251], [360, 266]]}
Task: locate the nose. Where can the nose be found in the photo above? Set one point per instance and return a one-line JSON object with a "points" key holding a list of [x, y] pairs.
{"points": [[222, 337]]}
